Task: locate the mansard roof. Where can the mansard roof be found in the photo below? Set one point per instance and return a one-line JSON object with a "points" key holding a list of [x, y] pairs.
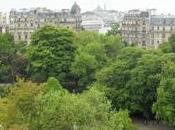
{"points": [[163, 20]]}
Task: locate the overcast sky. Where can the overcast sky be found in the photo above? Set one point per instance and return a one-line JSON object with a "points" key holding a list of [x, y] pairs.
{"points": [[163, 6]]}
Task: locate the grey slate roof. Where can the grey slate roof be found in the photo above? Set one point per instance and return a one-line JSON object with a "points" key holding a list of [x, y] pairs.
{"points": [[163, 20]]}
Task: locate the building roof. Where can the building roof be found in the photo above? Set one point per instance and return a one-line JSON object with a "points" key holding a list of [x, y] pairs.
{"points": [[163, 20], [75, 9]]}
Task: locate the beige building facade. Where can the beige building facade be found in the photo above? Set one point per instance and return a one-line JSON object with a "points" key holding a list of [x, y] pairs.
{"points": [[161, 28], [135, 27], [145, 29], [26, 21], [3, 22]]}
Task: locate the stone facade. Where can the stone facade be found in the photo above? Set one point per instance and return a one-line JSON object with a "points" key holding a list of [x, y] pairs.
{"points": [[146, 29], [25, 21], [135, 27], [161, 28], [3, 22]]}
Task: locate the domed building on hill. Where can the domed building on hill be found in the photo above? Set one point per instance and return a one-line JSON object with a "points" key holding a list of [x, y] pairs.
{"points": [[76, 12]]}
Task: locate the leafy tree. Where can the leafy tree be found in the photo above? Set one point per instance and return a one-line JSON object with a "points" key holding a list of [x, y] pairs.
{"points": [[93, 52], [166, 47], [172, 42], [165, 104], [115, 29], [19, 107], [51, 54], [29, 106], [132, 80], [12, 63], [7, 52], [164, 107], [88, 60]]}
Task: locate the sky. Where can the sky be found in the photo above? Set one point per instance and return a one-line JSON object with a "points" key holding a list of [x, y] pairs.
{"points": [[163, 6]]}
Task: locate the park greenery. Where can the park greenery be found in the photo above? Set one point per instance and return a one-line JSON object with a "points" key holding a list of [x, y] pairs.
{"points": [[65, 80]]}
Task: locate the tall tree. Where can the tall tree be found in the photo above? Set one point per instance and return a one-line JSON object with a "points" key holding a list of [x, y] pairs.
{"points": [[51, 54], [7, 53]]}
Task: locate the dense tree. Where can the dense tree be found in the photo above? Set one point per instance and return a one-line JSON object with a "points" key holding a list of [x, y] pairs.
{"points": [[7, 53], [115, 29], [19, 106], [132, 80], [94, 51], [166, 47], [51, 54], [12, 62], [29, 105], [165, 105]]}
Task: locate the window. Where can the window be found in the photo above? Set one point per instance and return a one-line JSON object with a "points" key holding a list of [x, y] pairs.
{"points": [[158, 42], [164, 22], [19, 37], [144, 23], [158, 28], [171, 28], [152, 36], [163, 35], [163, 28], [26, 37], [143, 43], [152, 42]]}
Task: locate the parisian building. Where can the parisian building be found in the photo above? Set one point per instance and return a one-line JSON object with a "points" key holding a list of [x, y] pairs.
{"points": [[146, 29], [161, 28], [135, 27], [3, 22], [23, 22]]}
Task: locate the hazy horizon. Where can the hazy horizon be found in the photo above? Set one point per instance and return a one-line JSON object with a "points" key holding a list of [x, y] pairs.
{"points": [[86, 5]]}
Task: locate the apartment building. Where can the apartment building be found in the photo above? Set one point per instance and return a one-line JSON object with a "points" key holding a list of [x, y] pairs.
{"points": [[146, 29], [24, 22]]}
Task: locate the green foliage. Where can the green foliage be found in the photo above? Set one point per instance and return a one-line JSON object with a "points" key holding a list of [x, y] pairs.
{"points": [[114, 29], [7, 53], [19, 107], [93, 53], [4, 90], [172, 42], [166, 47], [27, 106], [132, 80], [51, 54], [165, 105], [12, 63], [101, 67]]}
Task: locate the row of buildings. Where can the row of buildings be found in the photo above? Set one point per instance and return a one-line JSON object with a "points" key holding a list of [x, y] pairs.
{"points": [[146, 29], [22, 23]]}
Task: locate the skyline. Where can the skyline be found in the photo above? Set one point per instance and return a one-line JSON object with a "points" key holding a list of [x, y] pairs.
{"points": [[162, 6]]}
